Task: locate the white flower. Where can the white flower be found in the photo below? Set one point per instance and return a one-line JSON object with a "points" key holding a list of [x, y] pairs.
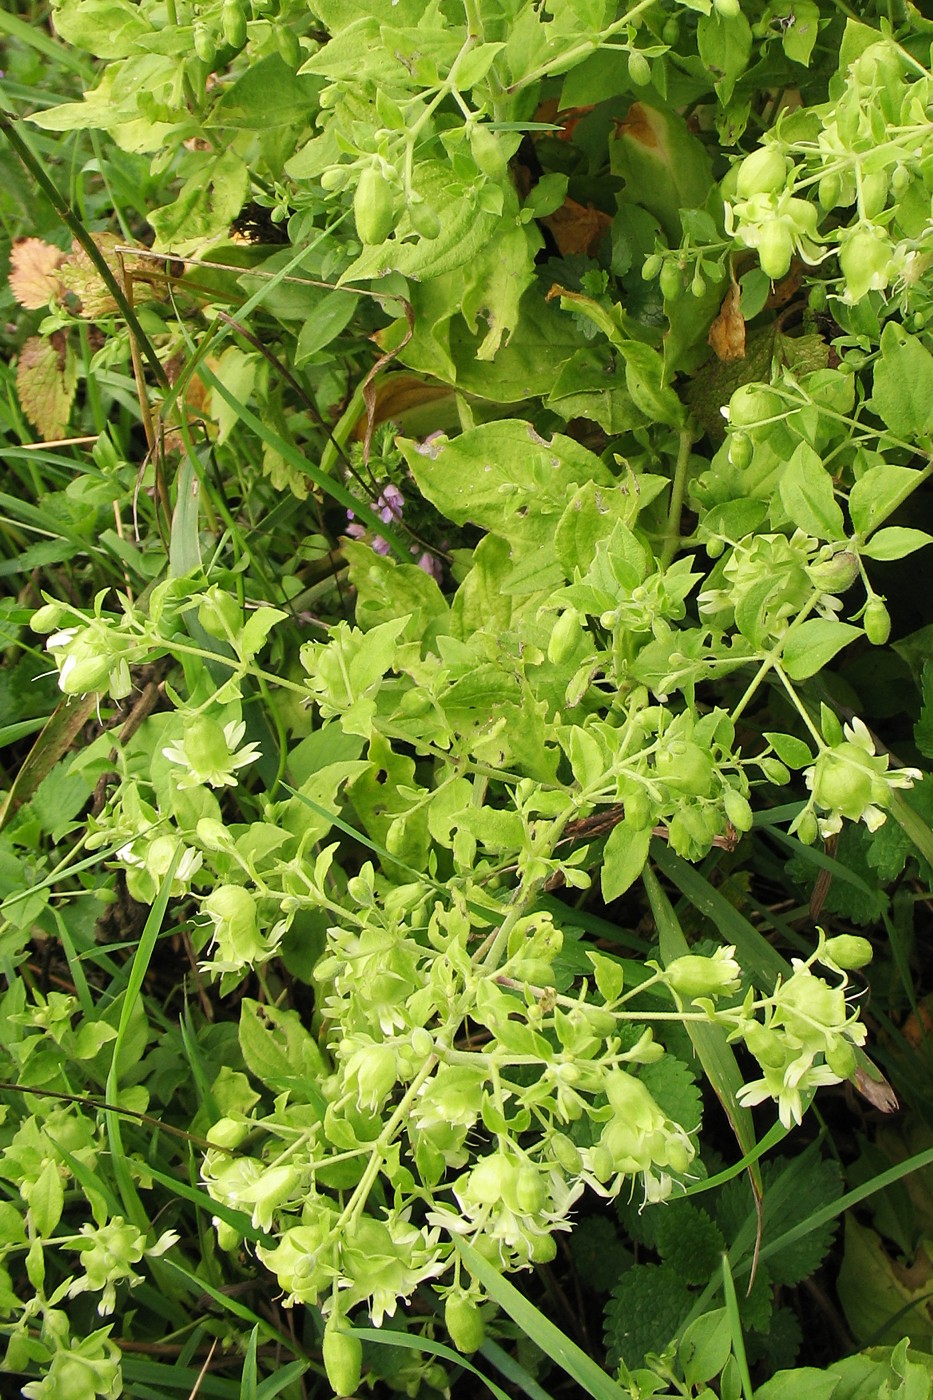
{"points": [[207, 751]]}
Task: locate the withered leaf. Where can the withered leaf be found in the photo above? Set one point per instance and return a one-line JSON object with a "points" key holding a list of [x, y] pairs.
{"points": [[46, 376], [578, 228], [33, 272], [727, 333], [82, 278]]}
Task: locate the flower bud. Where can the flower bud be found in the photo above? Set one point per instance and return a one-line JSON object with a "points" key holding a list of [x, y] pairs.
{"points": [[464, 1322], [692, 976], [343, 1360], [866, 261], [847, 951], [228, 1132], [877, 621], [762, 172], [639, 69], [47, 618]]}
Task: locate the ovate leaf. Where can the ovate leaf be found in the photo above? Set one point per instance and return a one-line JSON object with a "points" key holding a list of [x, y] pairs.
{"points": [[623, 859], [877, 493], [813, 644], [46, 376], [895, 542], [808, 497], [902, 390], [33, 266]]}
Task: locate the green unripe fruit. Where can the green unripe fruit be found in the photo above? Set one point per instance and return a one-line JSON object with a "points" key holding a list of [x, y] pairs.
{"points": [[464, 1323], [752, 404], [763, 172], [639, 69], [487, 152], [741, 450], [671, 32], [220, 615], [775, 249], [424, 220], [233, 24], [835, 574], [671, 280], [204, 45], [829, 190], [807, 829], [738, 809], [651, 266], [900, 181], [565, 637], [286, 41], [228, 1132], [374, 207], [697, 286], [333, 178], [343, 1360], [775, 772], [47, 618], [848, 951], [877, 622], [874, 193]]}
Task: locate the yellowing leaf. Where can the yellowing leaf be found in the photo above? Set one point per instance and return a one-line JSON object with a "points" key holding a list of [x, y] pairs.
{"points": [[33, 272], [45, 381], [81, 277]]}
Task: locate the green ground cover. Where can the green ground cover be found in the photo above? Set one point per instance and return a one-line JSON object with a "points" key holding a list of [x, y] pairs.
{"points": [[466, 699]]}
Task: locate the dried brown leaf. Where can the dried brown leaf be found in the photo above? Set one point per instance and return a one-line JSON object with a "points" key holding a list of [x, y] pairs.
{"points": [[33, 272], [83, 280], [46, 376], [727, 333], [578, 228]]}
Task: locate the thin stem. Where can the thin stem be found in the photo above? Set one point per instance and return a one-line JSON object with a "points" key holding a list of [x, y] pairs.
{"points": [[672, 537]]}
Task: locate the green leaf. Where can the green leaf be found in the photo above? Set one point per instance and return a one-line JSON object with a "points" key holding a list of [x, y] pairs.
{"points": [[803, 1383], [269, 94], [646, 1310], [709, 1041], [808, 497], [895, 542], [105, 28], [551, 1340], [800, 28], [705, 1347], [725, 46], [902, 389], [878, 492], [279, 1051], [790, 750], [45, 1198], [624, 857], [813, 644], [503, 477], [664, 166]]}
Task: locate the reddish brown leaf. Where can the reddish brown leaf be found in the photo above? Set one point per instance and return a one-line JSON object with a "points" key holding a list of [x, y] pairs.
{"points": [[81, 277], [45, 381], [33, 272], [727, 333], [578, 228]]}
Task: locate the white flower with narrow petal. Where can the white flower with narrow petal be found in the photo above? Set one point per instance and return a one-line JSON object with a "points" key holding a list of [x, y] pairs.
{"points": [[209, 753]]}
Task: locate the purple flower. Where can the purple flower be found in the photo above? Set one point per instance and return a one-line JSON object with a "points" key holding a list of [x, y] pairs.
{"points": [[390, 504]]}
